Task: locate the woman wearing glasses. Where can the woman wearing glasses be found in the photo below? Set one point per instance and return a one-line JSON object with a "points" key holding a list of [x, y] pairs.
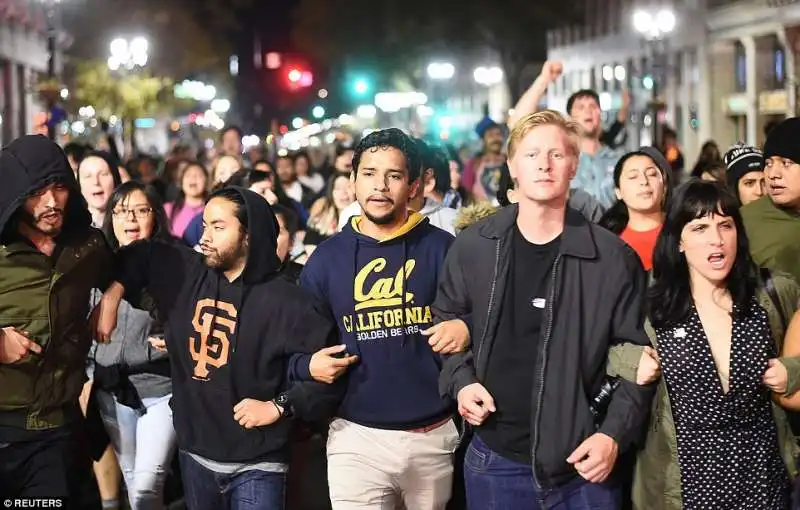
{"points": [[131, 372]]}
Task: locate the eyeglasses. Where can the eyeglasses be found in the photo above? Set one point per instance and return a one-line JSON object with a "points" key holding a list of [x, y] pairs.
{"points": [[138, 212]]}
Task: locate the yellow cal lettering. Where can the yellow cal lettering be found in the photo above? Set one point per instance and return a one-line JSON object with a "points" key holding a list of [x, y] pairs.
{"points": [[387, 291]]}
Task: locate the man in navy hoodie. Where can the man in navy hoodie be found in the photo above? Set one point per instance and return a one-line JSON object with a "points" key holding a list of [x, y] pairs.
{"points": [[233, 330], [394, 438]]}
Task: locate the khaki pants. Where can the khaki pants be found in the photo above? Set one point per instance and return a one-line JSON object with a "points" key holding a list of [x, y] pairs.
{"points": [[390, 469]]}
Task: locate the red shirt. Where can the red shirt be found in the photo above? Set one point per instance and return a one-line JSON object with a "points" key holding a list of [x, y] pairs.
{"points": [[643, 243]]}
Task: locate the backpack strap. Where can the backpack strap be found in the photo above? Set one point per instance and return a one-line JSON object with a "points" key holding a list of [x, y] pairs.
{"points": [[769, 285]]}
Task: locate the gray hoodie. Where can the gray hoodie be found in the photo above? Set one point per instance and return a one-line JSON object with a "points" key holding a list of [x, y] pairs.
{"points": [[439, 215], [129, 347]]}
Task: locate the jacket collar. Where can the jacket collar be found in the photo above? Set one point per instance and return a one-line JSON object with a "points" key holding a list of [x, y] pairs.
{"points": [[576, 240]]}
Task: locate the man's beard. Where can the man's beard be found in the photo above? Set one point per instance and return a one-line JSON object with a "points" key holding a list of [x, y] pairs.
{"points": [[494, 147], [36, 223], [224, 260], [386, 219]]}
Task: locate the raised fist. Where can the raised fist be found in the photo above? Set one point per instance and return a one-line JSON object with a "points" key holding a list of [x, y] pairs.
{"points": [[551, 70]]}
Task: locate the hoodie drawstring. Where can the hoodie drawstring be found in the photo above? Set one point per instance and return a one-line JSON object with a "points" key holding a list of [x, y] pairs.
{"points": [[403, 294]]}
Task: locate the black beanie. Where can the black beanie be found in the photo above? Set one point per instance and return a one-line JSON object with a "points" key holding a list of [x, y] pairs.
{"points": [[784, 140], [740, 160]]}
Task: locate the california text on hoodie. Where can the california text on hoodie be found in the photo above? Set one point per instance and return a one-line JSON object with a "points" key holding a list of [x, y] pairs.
{"points": [[46, 296], [380, 294], [232, 340]]}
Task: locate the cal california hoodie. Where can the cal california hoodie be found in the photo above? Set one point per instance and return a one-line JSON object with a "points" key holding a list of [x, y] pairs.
{"points": [[379, 293], [232, 340]]}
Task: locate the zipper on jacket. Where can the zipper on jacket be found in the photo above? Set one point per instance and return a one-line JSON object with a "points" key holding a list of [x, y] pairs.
{"points": [[491, 301], [545, 343]]}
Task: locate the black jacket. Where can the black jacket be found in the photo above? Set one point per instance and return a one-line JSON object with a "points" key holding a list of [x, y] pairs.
{"points": [[596, 298], [232, 340]]}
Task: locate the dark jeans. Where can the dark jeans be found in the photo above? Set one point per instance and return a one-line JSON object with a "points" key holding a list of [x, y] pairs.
{"points": [[56, 464], [248, 490], [496, 483]]}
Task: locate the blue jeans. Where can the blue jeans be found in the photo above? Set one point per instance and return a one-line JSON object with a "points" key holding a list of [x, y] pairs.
{"points": [[496, 483], [247, 490], [144, 445]]}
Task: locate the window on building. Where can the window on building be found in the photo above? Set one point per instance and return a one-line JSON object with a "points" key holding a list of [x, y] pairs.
{"points": [[778, 64], [740, 67]]}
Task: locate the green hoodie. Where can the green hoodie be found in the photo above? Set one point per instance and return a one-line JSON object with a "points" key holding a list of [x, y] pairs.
{"points": [[45, 296], [774, 235]]}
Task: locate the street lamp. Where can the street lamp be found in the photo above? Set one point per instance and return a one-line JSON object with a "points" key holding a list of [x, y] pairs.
{"points": [[441, 70], [128, 54], [318, 112], [655, 25], [488, 76]]}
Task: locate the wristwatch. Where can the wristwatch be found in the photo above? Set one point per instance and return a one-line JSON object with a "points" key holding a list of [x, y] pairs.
{"points": [[282, 402]]}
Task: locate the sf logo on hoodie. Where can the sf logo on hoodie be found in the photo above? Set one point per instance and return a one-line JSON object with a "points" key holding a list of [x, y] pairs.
{"points": [[213, 322]]}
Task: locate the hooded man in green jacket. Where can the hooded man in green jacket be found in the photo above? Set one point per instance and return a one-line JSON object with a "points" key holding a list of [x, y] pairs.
{"points": [[50, 260]]}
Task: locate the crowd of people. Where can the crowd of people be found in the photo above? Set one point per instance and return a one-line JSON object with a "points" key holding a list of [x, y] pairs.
{"points": [[554, 323]]}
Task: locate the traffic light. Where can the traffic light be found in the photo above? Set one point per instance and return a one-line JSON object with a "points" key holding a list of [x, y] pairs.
{"points": [[294, 75], [299, 78], [361, 86]]}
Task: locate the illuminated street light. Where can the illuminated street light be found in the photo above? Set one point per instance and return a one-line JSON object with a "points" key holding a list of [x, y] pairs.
{"points": [[128, 54], [297, 122], [654, 25], [322, 94], [318, 112], [441, 70], [488, 76]]}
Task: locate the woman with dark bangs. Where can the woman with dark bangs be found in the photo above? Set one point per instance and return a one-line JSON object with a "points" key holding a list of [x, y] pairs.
{"points": [[642, 185], [716, 440], [131, 372]]}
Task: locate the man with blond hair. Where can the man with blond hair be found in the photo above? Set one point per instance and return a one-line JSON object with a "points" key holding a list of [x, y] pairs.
{"points": [[549, 294]]}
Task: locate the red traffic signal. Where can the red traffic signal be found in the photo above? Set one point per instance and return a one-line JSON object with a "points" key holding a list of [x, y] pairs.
{"points": [[295, 75]]}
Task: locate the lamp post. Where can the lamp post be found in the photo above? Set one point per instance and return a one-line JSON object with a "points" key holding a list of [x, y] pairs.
{"points": [[128, 55], [655, 25], [51, 14]]}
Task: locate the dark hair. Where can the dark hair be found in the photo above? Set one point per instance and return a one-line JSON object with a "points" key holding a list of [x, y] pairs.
{"points": [[231, 127], [233, 195], [290, 218], [341, 149], [435, 158], [180, 201], [255, 176], [77, 151], [505, 185], [669, 299], [616, 217], [161, 224], [718, 170], [394, 138], [580, 95]]}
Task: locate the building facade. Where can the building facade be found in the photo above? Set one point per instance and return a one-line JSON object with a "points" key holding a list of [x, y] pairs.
{"points": [[23, 59], [724, 72]]}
